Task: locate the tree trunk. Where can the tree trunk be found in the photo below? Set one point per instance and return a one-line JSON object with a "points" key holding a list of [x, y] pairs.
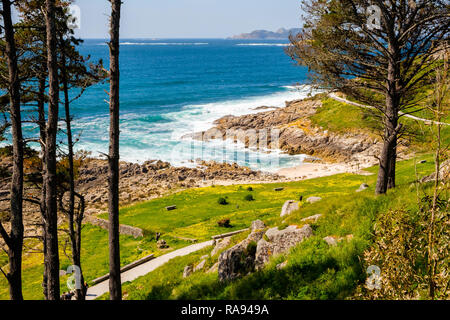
{"points": [[41, 123], [388, 158], [76, 254], [51, 258], [115, 286], [16, 235]]}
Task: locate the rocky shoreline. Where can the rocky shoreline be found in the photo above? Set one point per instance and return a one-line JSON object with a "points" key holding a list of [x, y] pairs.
{"points": [[153, 179], [296, 134]]}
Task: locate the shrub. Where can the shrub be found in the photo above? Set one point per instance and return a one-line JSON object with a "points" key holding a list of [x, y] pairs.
{"points": [[249, 197], [222, 201], [250, 189], [224, 223]]}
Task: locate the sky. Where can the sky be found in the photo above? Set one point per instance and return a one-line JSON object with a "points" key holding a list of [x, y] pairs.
{"points": [[188, 18]]}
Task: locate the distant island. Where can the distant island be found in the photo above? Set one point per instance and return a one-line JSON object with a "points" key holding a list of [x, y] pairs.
{"points": [[281, 34]]}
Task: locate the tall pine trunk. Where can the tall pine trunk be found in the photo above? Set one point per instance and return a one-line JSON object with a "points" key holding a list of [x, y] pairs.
{"points": [[41, 123], [15, 241], [388, 158], [51, 258], [74, 231], [115, 286]]}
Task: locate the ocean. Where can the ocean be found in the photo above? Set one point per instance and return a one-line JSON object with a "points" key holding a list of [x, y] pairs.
{"points": [[170, 88]]}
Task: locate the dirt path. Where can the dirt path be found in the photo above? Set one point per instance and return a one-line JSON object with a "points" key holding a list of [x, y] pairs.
{"points": [[335, 97], [130, 275]]}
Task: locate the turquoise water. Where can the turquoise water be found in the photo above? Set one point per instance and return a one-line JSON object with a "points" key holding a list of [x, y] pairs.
{"points": [[170, 88]]}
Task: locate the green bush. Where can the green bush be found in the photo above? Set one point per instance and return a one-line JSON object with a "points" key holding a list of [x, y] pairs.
{"points": [[222, 201], [249, 197], [224, 223]]}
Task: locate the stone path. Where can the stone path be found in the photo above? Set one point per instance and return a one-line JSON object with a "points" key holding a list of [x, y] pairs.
{"points": [[335, 97], [103, 287]]}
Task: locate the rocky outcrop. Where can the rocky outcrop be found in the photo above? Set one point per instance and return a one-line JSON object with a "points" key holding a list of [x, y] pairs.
{"points": [[279, 242], [289, 207], [239, 260], [255, 251], [220, 245], [294, 132], [444, 173]]}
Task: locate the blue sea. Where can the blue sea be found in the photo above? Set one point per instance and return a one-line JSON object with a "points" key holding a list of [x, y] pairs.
{"points": [[170, 88]]}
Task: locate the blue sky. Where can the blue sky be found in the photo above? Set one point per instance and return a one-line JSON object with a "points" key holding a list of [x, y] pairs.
{"points": [[188, 18]]}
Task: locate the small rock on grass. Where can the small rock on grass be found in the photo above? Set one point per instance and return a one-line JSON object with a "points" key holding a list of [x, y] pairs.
{"points": [[313, 199], [282, 265], [331, 241], [363, 187], [312, 218], [187, 271], [200, 266]]}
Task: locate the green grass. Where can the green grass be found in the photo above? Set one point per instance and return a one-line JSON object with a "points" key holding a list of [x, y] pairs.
{"points": [[343, 118], [314, 270], [95, 261], [198, 213]]}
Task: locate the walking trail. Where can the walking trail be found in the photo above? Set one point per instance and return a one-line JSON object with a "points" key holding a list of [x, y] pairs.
{"points": [[103, 287], [337, 98]]}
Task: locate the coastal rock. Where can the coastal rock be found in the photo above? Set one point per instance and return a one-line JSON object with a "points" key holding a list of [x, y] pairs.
{"points": [[289, 207], [313, 199], [279, 242]]}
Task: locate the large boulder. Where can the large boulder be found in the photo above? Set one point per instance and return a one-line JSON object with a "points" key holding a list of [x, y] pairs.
{"points": [[289, 207], [257, 225], [221, 245], [444, 173], [237, 261], [279, 242], [240, 259]]}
